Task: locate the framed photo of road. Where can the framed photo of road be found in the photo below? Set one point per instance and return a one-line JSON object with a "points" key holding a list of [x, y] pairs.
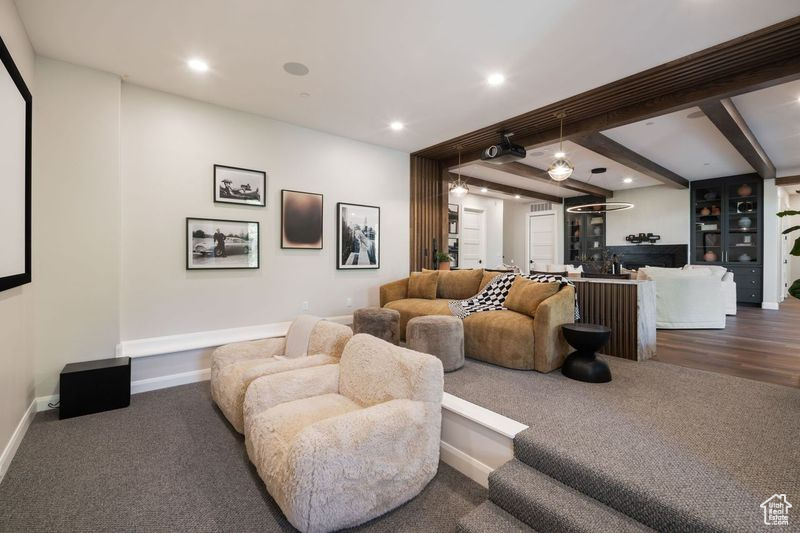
{"points": [[233, 185], [359, 237], [15, 174], [221, 244]]}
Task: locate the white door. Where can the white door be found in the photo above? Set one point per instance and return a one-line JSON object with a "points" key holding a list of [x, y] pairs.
{"points": [[541, 241], [473, 245]]}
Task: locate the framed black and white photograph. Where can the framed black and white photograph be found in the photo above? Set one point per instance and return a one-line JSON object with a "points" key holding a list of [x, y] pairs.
{"points": [[359, 237], [221, 244], [452, 219], [15, 174], [301, 220], [241, 186], [452, 251]]}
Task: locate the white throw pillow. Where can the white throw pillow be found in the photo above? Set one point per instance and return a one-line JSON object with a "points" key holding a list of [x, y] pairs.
{"points": [[712, 270]]}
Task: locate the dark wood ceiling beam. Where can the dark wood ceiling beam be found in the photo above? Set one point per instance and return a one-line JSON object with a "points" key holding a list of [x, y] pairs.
{"points": [[787, 180], [526, 171], [731, 124], [764, 58], [508, 189], [607, 147]]}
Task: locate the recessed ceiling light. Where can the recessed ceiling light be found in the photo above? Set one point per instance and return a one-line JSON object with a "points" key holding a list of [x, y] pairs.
{"points": [[197, 65], [517, 196], [305, 94], [496, 79], [627, 180], [560, 155], [397, 125], [295, 69], [484, 189]]}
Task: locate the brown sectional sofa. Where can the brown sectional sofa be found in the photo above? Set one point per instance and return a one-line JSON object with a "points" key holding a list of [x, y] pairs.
{"points": [[504, 338]]}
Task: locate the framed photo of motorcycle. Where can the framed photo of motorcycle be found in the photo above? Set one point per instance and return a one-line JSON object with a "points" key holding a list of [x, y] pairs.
{"points": [[243, 186]]}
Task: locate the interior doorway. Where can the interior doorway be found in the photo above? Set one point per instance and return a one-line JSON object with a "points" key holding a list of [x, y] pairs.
{"points": [[541, 240], [473, 238]]}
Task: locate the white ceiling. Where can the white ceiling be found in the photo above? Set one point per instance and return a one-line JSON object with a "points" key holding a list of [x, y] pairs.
{"points": [[374, 61], [773, 115], [691, 147], [499, 176]]}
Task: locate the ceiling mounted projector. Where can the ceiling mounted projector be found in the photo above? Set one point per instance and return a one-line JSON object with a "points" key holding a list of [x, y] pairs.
{"points": [[504, 152]]}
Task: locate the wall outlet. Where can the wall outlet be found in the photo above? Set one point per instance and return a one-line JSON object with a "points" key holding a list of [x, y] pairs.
{"points": [[348, 303], [305, 306]]}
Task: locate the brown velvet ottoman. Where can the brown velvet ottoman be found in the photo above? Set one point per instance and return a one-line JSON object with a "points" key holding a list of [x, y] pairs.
{"points": [[378, 322], [442, 336]]}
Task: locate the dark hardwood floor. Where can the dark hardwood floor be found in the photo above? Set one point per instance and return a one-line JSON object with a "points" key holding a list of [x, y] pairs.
{"points": [[757, 344]]}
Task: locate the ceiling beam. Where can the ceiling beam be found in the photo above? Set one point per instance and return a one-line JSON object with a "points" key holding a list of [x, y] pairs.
{"points": [[526, 171], [764, 58], [787, 180], [607, 147], [508, 189], [731, 124]]}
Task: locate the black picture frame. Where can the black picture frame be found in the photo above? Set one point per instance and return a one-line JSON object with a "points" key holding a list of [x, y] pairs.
{"points": [[190, 246], [453, 218], [16, 279], [343, 263], [453, 251], [321, 214], [259, 196]]}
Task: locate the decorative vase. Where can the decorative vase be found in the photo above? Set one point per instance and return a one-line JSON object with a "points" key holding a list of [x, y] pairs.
{"points": [[596, 230], [744, 258], [705, 212], [745, 222], [709, 256], [711, 195], [715, 210], [745, 190], [444, 265]]}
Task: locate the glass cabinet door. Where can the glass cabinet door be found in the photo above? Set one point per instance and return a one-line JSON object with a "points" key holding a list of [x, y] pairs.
{"points": [[708, 225], [595, 239], [575, 229], [743, 215]]}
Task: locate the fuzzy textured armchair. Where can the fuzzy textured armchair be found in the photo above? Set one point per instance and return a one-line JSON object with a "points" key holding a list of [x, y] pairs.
{"points": [[235, 366], [339, 445]]}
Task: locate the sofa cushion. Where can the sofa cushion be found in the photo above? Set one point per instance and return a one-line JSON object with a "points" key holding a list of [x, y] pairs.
{"points": [[488, 276], [712, 270], [525, 295], [459, 284], [503, 338], [423, 284], [414, 307]]}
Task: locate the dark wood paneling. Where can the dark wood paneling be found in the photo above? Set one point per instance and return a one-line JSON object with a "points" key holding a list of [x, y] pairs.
{"points": [[508, 189], [526, 171], [756, 344], [787, 180], [731, 124], [612, 305], [600, 144], [428, 212], [761, 59]]}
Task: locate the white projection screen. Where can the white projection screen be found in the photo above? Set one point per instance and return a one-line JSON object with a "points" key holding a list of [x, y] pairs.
{"points": [[15, 175]]}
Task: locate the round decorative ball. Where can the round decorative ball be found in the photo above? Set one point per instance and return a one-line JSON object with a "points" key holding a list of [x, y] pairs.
{"points": [[745, 222]]}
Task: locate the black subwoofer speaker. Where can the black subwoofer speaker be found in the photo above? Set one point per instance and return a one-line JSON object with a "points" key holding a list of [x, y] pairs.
{"points": [[95, 386]]}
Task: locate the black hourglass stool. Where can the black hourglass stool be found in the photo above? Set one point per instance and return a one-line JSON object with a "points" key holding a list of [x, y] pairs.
{"points": [[583, 364]]}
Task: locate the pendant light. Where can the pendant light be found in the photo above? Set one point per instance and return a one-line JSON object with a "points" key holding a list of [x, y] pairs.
{"points": [[561, 168], [599, 207], [458, 187]]}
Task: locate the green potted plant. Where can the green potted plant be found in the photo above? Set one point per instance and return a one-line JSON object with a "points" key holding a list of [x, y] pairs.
{"points": [[443, 260], [794, 290]]}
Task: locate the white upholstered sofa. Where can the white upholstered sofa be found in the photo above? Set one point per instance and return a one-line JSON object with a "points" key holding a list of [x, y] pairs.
{"points": [[728, 284], [338, 445], [235, 366], [686, 298]]}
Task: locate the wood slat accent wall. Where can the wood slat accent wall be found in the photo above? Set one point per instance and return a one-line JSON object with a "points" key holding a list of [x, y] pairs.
{"points": [[613, 305], [428, 211]]}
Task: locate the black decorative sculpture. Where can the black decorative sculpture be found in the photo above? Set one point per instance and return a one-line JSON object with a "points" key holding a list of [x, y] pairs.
{"points": [[643, 237]]}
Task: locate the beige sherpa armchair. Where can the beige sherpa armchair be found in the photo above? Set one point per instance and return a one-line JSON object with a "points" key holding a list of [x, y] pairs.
{"points": [[338, 445], [309, 341]]}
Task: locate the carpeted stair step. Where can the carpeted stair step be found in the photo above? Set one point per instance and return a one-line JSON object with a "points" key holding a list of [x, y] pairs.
{"points": [[489, 518], [547, 505]]}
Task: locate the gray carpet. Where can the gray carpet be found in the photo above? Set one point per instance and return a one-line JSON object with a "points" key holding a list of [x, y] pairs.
{"points": [[676, 448], [170, 462]]}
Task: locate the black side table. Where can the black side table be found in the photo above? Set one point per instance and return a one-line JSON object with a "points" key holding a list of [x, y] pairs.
{"points": [[583, 364]]}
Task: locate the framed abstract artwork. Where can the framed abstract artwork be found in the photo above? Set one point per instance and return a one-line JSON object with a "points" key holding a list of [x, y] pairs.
{"points": [[301, 220]]}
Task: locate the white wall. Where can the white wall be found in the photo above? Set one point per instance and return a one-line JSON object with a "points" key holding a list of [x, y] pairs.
{"points": [[76, 217], [659, 209], [772, 249], [794, 261], [16, 305], [493, 209]]}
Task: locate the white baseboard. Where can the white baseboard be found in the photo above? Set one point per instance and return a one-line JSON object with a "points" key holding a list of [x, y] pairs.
{"points": [[172, 380], [16, 438], [208, 339], [770, 305], [469, 466]]}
